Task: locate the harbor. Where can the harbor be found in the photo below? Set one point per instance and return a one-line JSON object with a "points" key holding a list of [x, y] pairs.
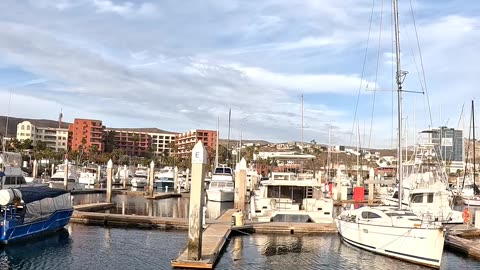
{"points": [[239, 135]]}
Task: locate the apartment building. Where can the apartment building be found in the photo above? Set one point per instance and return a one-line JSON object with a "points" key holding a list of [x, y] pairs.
{"points": [[85, 133], [184, 142], [134, 141], [54, 137]]}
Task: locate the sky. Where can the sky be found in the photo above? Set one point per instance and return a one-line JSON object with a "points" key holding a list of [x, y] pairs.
{"points": [[181, 65]]}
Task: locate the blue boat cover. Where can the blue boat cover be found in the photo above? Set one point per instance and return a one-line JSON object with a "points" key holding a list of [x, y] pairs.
{"points": [[31, 194]]}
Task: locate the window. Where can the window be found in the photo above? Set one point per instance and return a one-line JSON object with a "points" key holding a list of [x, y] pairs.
{"points": [[28, 127], [23, 127], [418, 198], [430, 198], [369, 215]]}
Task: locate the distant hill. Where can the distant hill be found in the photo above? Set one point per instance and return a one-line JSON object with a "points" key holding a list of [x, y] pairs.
{"points": [[261, 142], [14, 121]]}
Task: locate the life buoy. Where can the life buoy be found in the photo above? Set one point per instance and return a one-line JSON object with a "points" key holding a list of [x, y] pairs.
{"points": [[466, 215]]}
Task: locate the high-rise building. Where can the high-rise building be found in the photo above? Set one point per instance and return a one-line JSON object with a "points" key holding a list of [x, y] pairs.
{"points": [[86, 133], [184, 142], [54, 137], [449, 146]]}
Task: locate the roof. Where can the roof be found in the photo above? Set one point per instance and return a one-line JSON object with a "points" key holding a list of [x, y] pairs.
{"points": [[279, 156], [31, 194], [146, 130]]}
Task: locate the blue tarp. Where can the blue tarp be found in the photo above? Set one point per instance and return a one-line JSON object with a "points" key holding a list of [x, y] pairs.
{"points": [[31, 194]]}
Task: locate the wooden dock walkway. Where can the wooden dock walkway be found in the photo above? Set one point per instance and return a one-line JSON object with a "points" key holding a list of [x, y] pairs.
{"points": [[92, 207], [287, 228], [463, 245], [213, 241]]}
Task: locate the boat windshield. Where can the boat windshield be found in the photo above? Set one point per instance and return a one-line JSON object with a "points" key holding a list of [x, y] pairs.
{"points": [[223, 170]]}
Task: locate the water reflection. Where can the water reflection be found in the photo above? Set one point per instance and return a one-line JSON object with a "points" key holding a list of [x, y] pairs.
{"points": [[139, 205]]}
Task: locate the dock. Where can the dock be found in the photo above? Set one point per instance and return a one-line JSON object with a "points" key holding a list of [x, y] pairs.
{"points": [[93, 207], [287, 228], [95, 191], [131, 221], [213, 241], [463, 245]]}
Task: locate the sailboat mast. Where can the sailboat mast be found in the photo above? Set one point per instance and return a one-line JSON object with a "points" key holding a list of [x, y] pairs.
{"points": [[473, 125], [302, 123], [399, 103], [216, 148]]}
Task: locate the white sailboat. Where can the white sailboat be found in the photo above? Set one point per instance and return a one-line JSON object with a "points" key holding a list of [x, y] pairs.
{"points": [[390, 231], [471, 196]]}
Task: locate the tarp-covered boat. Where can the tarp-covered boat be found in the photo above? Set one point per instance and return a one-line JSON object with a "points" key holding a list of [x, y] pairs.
{"points": [[30, 211]]}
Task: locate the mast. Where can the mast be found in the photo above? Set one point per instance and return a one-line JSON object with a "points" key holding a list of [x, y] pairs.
{"points": [[473, 125], [228, 138], [216, 148], [302, 123], [399, 81]]}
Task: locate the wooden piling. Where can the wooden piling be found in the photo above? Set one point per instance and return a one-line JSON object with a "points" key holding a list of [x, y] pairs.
{"points": [[151, 176], [65, 177], [109, 180], [195, 228], [125, 176], [241, 189]]}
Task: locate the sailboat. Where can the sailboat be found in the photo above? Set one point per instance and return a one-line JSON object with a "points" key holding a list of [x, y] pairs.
{"points": [[471, 194], [388, 230]]}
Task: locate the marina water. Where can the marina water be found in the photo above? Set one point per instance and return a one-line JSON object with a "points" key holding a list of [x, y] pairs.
{"points": [[95, 247]]}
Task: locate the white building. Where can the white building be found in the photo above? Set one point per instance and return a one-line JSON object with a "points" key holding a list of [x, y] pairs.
{"points": [[162, 141], [55, 138]]}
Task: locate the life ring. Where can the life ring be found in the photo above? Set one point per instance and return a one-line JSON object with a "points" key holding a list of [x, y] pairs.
{"points": [[466, 215]]}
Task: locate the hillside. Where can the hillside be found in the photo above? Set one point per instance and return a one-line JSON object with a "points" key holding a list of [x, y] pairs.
{"points": [[14, 121]]}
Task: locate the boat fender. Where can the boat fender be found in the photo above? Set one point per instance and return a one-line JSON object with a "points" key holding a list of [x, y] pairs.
{"points": [[7, 196], [466, 215], [273, 204]]}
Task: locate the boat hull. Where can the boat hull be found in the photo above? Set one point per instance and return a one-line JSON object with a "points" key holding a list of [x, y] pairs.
{"points": [[55, 222], [220, 195], [471, 201], [417, 245]]}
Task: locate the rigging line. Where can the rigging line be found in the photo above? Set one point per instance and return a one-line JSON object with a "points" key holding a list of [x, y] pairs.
{"points": [[376, 72], [421, 62], [363, 71], [468, 151], [392, 75]]}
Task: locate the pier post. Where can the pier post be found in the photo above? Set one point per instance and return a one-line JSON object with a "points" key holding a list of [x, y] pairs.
{"points": [[195, 228], [187, 183], [109, 180], [175, 180], [151, 177], [34, 169], [99, 169], [53, 170], [65, 177], [125, 176], [241, 185], [371, 177]]}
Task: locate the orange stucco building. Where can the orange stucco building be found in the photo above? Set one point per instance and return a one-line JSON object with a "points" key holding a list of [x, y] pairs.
{"points": [[86, 133]]}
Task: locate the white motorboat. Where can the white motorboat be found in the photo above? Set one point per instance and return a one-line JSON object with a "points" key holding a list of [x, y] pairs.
{"points": [[57, 179], [123, 173], [221, 187], [396, 233], [12, 175], [89, 176], [164, 179], [289, 197], [139, 180]]}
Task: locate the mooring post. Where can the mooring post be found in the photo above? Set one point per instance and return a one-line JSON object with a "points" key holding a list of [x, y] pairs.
{"points": [[53, 170], [151, 177], [99, 171], [187, 182], [371, 177], [109, 180], [241, 185], [175, 180], [125, 176], [65, 177], [195, 228], [34, 169]]}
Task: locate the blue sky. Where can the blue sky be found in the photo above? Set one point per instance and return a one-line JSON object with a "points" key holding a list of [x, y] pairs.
{"points": [[179, 65]]}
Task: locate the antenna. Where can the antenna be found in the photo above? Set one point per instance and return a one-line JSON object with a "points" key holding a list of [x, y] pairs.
{"points": [[60, 116]]}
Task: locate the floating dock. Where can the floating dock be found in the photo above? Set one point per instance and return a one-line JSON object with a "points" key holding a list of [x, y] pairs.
{"points": [[213, 241]]}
